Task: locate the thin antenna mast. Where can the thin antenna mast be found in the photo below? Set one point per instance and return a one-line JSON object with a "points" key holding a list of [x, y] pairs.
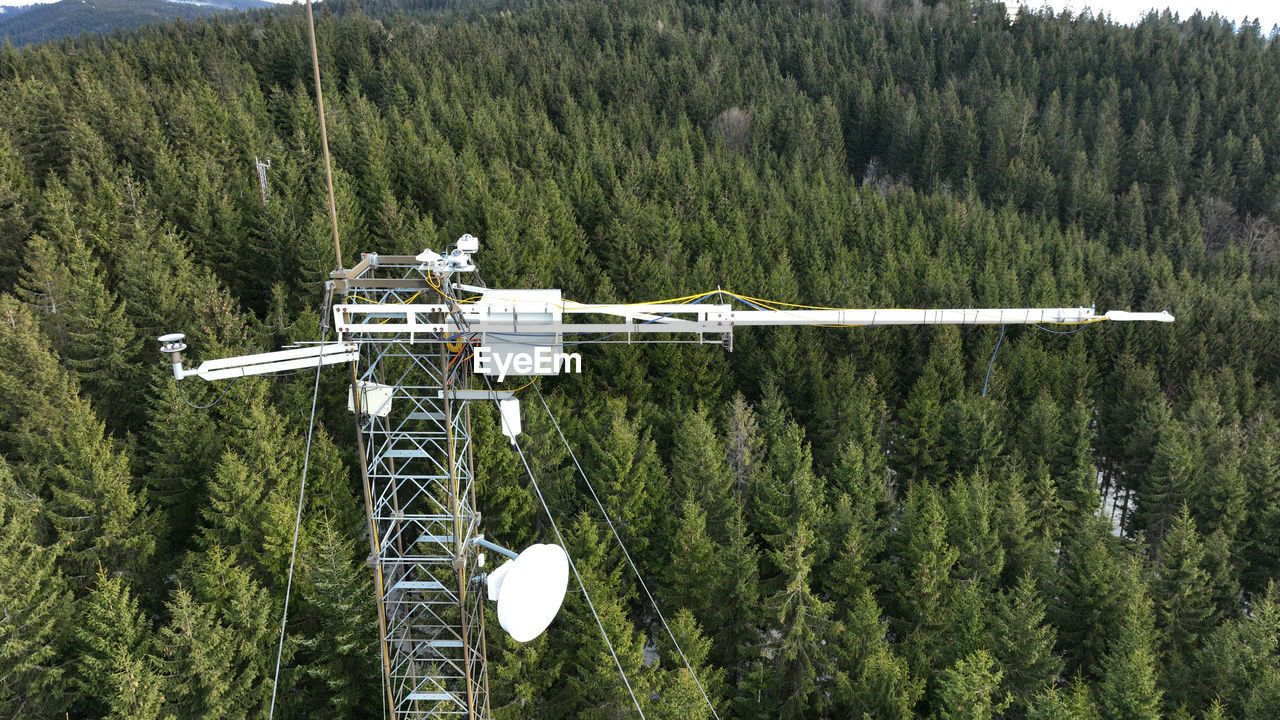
{"points": [[263, 188], [355, 383], [324, 137]]}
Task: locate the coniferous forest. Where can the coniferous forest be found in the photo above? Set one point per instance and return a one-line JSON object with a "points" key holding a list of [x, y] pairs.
{"points": [[837, 523]]}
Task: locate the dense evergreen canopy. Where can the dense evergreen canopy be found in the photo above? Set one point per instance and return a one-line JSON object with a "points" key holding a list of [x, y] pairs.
{"points": [[838, 523]]}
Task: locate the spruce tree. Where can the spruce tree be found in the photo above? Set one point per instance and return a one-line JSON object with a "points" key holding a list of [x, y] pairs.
{"points": [[859, 473], [794, 496], [137, 689], [509, 506], [871, 681], [699, 469], [1184, 609], [1219, 499], [37, 607], [799, 654], [971, 690], [592, 686], [1174, 468], [15, 223], [846, 410], [680, 695], [112, 637], [972, 529], [46, 286], [180, 449], [339, 652], [1261, 467], [1238, 656], [1069, 703], [218, 646], [925, 589], [736, 636], [851, 568], [1039, 432], [626, 472], [1128, 689], [1044, 510], [694, 563], [87, 323], [1024, 550], [521, 675], [970, 435], [1022, 643], [1091, 592], [68, 459], [743, 443], [916, 451], [94, 502], [253, 492], [1077, 482], [859, 501]]}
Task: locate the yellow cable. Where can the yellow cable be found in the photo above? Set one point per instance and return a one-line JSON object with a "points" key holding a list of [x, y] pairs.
{"points": [[375, 302], [767, 304], [771, 305], [758, 301], [534, 380], [1102, 318], [683, 300]]}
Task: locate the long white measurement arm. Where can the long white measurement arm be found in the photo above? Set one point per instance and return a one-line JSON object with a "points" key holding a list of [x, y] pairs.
{"points": [[542, 312], [272, 362]]}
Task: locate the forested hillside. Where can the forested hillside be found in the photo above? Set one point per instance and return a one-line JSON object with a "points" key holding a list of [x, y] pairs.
{"points": [[41, 23], [838, 522]]}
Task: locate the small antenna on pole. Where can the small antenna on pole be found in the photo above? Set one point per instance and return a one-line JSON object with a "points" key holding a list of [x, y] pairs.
{"points": [[262, 176]]}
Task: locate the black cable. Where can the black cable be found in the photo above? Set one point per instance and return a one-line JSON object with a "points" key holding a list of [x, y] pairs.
{"points": [[228, 387], [204, 407]]}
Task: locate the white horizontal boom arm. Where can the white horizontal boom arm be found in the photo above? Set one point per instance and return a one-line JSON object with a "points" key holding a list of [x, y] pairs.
{"points": [[519, 317], [273, 362], [1004, 316]]}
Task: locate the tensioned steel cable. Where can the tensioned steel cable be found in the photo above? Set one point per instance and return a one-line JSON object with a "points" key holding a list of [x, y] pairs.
{"points": [[297, 524], [627, 555], [992, 363], [572, 565]]}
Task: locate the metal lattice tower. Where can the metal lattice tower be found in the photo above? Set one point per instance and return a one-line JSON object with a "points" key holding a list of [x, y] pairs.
{"points": [[414, 432], [407, 337]]}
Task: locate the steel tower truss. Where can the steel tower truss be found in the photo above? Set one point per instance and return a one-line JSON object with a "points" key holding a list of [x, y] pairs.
{"points": [[414, 434]]}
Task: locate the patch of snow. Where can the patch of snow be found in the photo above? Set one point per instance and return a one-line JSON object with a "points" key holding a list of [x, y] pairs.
{"points": [[650, 652], [1116, 504]]}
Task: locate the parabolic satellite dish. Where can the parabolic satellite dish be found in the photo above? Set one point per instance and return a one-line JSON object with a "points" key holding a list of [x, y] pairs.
{"points": [[529, 590]]}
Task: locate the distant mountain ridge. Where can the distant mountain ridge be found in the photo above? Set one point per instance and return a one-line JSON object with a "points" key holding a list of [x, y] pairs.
{"points": [[39, 23], [12, 10]]}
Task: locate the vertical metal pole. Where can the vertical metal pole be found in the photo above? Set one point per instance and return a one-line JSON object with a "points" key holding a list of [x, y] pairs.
{"points": [[484, 650], [324, 137], [374, 543], [459, 559]]}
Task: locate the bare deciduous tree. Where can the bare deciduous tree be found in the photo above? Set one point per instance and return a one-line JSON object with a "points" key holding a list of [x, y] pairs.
{"points": [[1218, 223], [734, 125]]}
